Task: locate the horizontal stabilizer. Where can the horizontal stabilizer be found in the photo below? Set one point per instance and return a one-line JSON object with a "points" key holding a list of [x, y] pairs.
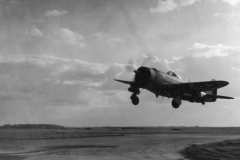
{"points": [[122, 81], [219, 97], [224, 97]]}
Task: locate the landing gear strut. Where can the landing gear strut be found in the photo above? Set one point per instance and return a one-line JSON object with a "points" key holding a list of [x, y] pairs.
{"points": [[135, 99]]}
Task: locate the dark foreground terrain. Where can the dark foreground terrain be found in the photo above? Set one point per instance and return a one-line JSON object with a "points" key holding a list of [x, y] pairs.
{"points": [[52, 142], [229, 150]]}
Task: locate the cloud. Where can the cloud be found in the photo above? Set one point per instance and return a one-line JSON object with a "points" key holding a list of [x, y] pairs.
{"points": [[177, 58], [56, 81], [14, 2], [236, 69], [55, 13], [61, 41], [114, 41], [164, 6], [174, 36], [36, 32], [229, 16], [67, 36], [53, 89], [233, 3], [233, 15], [208, 51], [197, 45], [101, 35], [172, 60], [51, 69], [108, 39], [50, 86], [216, 14], [188, 2]]}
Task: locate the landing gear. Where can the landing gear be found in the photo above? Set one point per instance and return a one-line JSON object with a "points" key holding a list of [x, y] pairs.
{"points": [[175, 104], [134, 90], [135, 99], [203, 103]]}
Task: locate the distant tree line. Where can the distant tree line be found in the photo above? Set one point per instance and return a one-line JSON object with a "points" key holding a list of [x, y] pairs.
{"points": [[32, 126]]}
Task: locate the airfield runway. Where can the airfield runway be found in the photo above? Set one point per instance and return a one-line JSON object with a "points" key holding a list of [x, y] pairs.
{"points": [[120, 143]]}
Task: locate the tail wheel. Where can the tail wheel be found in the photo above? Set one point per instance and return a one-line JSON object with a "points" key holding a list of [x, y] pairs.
{"points": [[175, 104], [135, 99]]}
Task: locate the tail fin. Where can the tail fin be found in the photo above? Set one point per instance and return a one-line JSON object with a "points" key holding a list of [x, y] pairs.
{"points": [[214, 93], [215, 96]]}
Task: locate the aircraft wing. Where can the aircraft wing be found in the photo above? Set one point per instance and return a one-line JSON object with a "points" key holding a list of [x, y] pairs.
{"points": [[122, 81], [196, 86]]}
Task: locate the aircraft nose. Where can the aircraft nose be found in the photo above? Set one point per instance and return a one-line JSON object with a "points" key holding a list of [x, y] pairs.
{"points": [[142, 76]]}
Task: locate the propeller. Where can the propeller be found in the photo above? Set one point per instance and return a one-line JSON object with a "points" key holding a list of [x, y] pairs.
{"points": [[147, 58], [131, 67], [140, 74]]}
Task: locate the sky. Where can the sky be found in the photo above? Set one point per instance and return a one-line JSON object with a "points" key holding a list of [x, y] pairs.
{"points": [[58, 59]]}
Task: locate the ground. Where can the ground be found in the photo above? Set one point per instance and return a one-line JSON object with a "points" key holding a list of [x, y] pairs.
{"points": [[169, 143]]}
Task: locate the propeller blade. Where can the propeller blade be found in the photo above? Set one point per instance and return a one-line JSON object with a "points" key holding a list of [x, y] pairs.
{"points": [[149, 58], [130, 66], [136, 72]]}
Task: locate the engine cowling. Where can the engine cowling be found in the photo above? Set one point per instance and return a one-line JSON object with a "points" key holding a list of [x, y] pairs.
{"points": [[142, 76]]}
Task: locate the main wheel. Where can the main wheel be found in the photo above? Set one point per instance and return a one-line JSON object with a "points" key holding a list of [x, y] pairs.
{"points": [[175, 104], [135, 99]]}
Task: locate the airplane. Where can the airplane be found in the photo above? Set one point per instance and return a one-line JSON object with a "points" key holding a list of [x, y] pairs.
{"points": [[170, 85]]}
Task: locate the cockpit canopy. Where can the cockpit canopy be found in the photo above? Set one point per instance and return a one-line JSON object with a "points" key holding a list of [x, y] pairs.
{"points": [[171, 73]]}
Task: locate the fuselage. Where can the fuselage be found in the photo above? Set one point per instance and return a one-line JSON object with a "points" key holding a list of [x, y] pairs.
{"points": [[157, 79]]}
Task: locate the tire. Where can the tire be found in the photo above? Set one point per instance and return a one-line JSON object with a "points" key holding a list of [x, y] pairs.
{"points": [[175, 104], [135, 99]]}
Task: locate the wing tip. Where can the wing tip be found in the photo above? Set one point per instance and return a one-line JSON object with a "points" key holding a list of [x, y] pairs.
{"points": [[122, 81]]}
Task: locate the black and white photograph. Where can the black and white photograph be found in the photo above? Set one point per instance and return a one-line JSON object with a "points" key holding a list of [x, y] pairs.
{"points": [[119, 79]]}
